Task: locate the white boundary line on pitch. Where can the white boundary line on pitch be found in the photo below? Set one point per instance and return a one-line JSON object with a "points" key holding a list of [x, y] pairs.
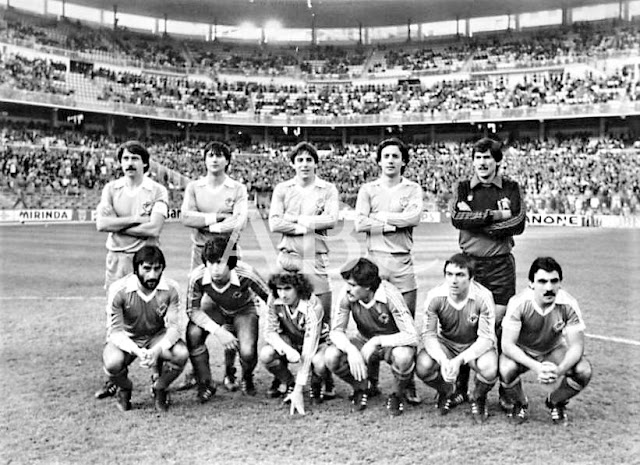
{"points": [[592, 336], [614, 339]]}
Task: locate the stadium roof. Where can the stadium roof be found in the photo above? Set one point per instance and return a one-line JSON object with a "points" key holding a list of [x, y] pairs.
{"points": [[328, 13]]}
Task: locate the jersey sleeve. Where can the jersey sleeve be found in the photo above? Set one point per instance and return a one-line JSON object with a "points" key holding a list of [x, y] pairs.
{"points": [[363, 223], [513, 316], [410, 215], [173, 318], [239, 216], [277, 223], [117, 333], [328, 217], [463, 219], [195, 312], [407, 334], [429, 320], [514, 225], [313, 327]]}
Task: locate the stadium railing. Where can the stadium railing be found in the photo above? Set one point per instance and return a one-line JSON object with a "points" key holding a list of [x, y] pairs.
{"points": [[547, 111]]}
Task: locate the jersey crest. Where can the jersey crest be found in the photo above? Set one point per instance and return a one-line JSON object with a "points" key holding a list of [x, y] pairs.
{"points": [[404, 201], [559, 326], [229, 202], [473, 318], [504, 204]]}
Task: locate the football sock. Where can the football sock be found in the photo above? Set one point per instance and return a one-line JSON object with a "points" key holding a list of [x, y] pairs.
{"points": [[483, 386], [200, 360]]}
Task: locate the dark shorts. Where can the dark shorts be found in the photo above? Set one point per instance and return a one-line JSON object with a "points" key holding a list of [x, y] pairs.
{"points": [[498, 274]]}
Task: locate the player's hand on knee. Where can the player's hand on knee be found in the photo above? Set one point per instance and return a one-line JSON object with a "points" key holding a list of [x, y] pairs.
{"points": [[369, 348], [293, 356], [357, 365], [227, 340]]}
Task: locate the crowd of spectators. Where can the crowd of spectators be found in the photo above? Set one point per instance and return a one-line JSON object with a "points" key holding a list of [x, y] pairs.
{"points": [[215, 95], [509, 49], [578, 175]]}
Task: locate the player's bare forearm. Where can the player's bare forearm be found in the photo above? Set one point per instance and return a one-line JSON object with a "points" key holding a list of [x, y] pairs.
{"points": [[575, 341]]}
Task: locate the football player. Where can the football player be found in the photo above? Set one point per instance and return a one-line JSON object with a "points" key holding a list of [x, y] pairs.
{"points": [[222, 300], [385, 332], [144, 322], [295, 333], [543, 331], [387, 210], [457, 330]]}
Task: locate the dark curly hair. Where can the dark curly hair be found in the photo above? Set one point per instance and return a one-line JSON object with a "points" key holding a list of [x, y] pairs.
{"points": [[298, 281]]}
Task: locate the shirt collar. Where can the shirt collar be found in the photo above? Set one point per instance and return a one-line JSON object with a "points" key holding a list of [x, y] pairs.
{"points": [[497, 181], [379, 296], [233, 278], [203, 181], [147, 182]]}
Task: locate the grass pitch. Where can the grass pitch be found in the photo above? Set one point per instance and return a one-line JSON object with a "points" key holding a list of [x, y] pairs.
{"points": [[52, 332]]}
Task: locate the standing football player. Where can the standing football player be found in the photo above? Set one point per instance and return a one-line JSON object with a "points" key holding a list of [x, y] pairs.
{"points": [[295, 333], [387, 210], [215, 205], [222, 300], [132, 211], [386, 332], [489, 210], [144, 322], [458, 329], [303, 209], [543, 331]]}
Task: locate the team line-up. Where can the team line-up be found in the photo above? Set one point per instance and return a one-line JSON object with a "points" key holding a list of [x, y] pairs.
{"points": [[474, 320]]}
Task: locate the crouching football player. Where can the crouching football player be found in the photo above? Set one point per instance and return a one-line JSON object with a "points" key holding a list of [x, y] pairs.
{"points": [[295, 332], [543, 331], [385, 332], [222, 300], [144, 322], [458, 330]]}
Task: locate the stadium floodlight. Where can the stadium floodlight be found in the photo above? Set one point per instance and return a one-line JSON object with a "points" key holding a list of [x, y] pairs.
{"points": [[273, 30], [248, 30]]}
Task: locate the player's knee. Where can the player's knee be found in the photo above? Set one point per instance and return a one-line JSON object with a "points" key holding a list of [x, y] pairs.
{"points": [[195, 336], [403, 358], [507, 368], [333, 358], [319, 365], [488, 365], [425, 365], [582, 372], [267, 355], [179, 354]]}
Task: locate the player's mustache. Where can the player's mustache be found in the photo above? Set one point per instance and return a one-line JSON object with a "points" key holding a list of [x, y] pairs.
{"points": [[549, 294]]}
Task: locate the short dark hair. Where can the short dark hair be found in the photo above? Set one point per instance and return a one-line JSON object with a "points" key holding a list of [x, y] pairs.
{"points": [[298, 281], [462, 261], [215, 250], [548, 264], [303, 147], [493, 146], [136, 148], [364, 272], [149, 254], [394, 141], [217, 148]]}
